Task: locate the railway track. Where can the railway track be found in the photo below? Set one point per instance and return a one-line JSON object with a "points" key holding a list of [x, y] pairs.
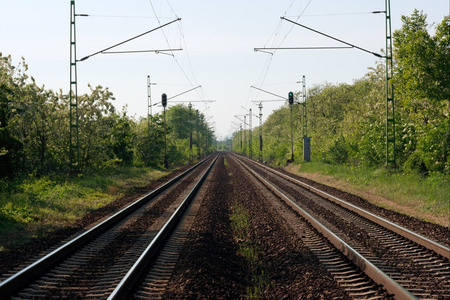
{"points": [[107, 260], [361, 250]]}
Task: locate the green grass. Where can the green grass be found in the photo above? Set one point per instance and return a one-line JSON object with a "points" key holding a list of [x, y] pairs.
{"points": [[260, 279], [240, 223], [35, 206], [429, 195], [225, 162]]}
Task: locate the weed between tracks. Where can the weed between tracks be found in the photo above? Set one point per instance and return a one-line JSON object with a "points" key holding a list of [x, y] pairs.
{"points": [[240, 223], [225, 162], [260, 278]]}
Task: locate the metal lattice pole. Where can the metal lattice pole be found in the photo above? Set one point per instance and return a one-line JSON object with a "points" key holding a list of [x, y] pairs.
{"points": [[191, 158], [260, 133], [390, 103], [74, 146], [305, 120], [250, 142], [292, 136], [240, 136], [149, 103], [245, 134]]}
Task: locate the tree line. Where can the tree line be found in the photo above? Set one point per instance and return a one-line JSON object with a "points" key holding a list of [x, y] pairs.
{"points": [[347, 122], [34, 130]]}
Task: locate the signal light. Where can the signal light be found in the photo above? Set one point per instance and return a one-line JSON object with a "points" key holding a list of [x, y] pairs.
{"points": [[291, 98], [164, 100]]}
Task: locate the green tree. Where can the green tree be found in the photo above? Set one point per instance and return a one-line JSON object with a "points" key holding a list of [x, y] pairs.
{"points": [[122, 137], [149, 142], [422, 81], [10, 146], [96, 120]]}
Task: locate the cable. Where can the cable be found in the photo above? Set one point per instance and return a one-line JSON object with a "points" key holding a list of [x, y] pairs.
{"points": [[185, 49], [331, 37], [337, 14], [129, 17], [268, 63], [130, 39], [298, 17]]}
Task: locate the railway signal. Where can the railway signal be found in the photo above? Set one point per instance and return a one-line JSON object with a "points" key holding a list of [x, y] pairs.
{"points": [[164, 100], [390, 101], [291, 98]]}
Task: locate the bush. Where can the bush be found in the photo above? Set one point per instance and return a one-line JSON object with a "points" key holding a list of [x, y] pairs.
{"points": [[338, 152], [415, 163]]}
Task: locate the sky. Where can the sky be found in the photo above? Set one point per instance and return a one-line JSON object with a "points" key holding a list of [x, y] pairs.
{"points": [[217, 39]]}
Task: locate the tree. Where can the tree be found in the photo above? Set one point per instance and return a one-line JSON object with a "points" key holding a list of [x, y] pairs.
{"points": [[122, 137], [149, 142], [96, 120], [10, 146], [422, 73], [422, 81]]}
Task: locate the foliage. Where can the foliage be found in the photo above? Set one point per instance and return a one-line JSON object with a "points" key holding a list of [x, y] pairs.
{"points": [[10, 146], [35, 205], [34, 130], [339, 151], [347, 122], [423, 91], [149, 142]]}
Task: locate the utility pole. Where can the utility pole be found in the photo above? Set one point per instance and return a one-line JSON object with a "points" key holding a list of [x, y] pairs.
{"points": [[199, 154], [74, 145], [164, 104], [191, 155], [390, 103], [391, 159], [240, 134], [191, 158], [244, 137], [260, 115], [305, 120], [250, 143], [306, 139], [235, 135], [250, 137], [291, 103], [260, 133], [250, 146], [149, 103], [245, 133]]}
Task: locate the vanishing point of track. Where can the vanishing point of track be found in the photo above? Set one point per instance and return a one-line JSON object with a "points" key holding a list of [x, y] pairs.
{"points": [[367, 256]]}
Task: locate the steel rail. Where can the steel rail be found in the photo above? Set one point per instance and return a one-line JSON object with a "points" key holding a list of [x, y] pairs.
{"points": [[124, 287], [365, 265], [415, 237], [11, 283]]}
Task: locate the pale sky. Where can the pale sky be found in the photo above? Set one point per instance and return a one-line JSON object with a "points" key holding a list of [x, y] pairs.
{"points": [[218, 40]]}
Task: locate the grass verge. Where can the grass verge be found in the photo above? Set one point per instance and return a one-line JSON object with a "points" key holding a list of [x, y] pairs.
{"points": [[34, 206], [427, 198]]}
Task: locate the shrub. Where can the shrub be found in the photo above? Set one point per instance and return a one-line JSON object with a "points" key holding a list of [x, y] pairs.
{"points": [[338, 152]]}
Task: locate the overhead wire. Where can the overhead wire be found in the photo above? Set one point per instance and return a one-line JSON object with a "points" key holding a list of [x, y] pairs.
{"points": [[182, 39], [292, 27], [276, 32], [126, 17], [335, 14]]}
